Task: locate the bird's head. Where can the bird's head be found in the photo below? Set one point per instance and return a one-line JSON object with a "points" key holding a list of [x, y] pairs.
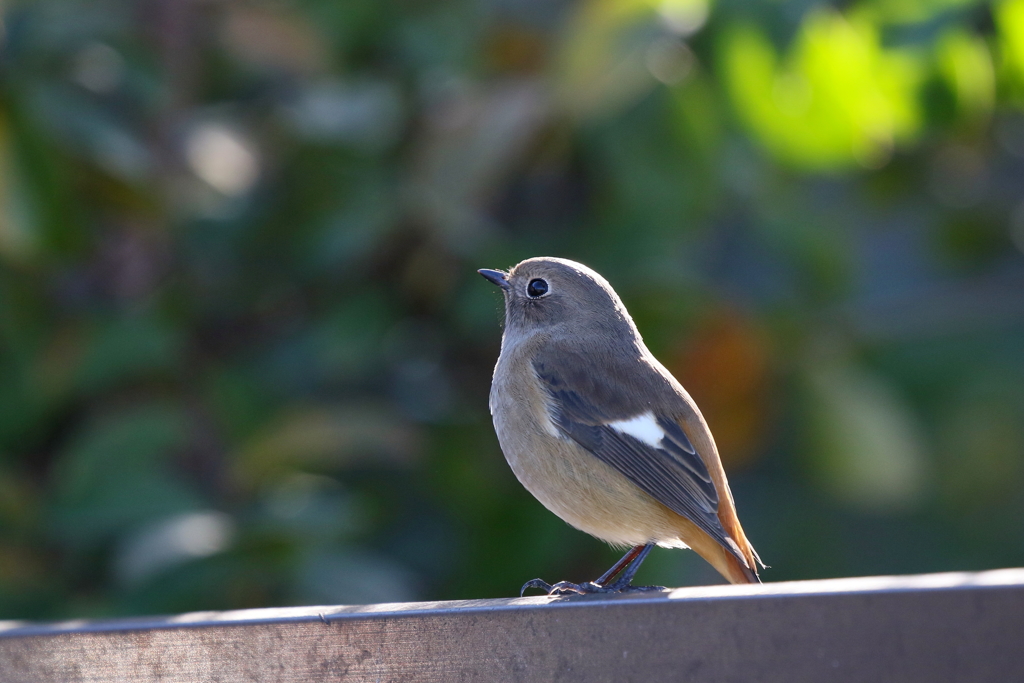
{"points": [[545, 292]]}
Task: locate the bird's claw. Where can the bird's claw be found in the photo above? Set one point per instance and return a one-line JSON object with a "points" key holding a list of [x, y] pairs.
{"points": [[630, 588], [588, 588], [536, 583], [563, 587]]}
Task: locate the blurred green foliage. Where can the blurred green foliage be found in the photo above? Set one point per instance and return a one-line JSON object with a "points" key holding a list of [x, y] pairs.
{"points": [[244, 355]]}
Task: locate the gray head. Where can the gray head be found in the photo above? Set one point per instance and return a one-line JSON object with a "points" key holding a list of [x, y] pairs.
{"points": [[546, 293]]}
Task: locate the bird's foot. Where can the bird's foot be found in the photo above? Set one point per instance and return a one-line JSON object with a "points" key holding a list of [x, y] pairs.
{"points": [[565, 587], [588, 588]]}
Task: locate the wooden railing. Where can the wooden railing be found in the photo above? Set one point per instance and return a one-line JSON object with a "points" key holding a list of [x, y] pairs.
{"points": [[932, 628]]}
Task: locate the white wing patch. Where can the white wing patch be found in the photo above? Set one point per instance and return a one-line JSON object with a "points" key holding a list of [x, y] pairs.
{"points": [[642, 427]]}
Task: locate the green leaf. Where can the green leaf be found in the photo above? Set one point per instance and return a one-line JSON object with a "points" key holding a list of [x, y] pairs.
{"points": [[117, 473]]}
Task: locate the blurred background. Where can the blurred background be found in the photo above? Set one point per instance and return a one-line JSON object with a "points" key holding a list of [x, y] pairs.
{"points": [[245, 355]]}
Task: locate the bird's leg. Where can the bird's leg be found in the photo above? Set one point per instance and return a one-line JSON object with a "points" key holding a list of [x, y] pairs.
{"points": [[628, 566], [622, 563]]}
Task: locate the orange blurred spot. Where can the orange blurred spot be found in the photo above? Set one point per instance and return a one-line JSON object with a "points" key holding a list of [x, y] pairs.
{"points": [[515, 49], [725, 367]]}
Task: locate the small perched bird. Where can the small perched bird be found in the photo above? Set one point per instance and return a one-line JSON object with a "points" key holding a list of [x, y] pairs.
{"points": [[601, 433]]}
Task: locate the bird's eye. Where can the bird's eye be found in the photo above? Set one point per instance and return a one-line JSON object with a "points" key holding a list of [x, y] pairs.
{"points": [[537, 288]]}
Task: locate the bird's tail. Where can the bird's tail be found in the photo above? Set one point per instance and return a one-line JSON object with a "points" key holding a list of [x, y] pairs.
{"points": [[727, 561], [743, 560], [739, 572]]}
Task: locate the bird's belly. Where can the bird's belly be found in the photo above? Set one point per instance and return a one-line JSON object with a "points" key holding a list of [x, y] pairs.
{"points": [[581, 489]]}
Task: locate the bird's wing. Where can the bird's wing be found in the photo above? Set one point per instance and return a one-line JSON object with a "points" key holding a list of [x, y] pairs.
{"points": [[647, 447]]}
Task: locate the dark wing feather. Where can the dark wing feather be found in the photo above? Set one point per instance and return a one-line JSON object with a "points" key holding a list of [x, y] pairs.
{"points": [[672, 473]]}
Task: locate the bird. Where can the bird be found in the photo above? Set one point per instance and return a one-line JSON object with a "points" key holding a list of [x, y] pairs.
{"points": [[601, 433]]}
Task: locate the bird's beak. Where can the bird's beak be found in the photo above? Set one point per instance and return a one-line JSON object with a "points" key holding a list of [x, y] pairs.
{"points": [[497, 277]]}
